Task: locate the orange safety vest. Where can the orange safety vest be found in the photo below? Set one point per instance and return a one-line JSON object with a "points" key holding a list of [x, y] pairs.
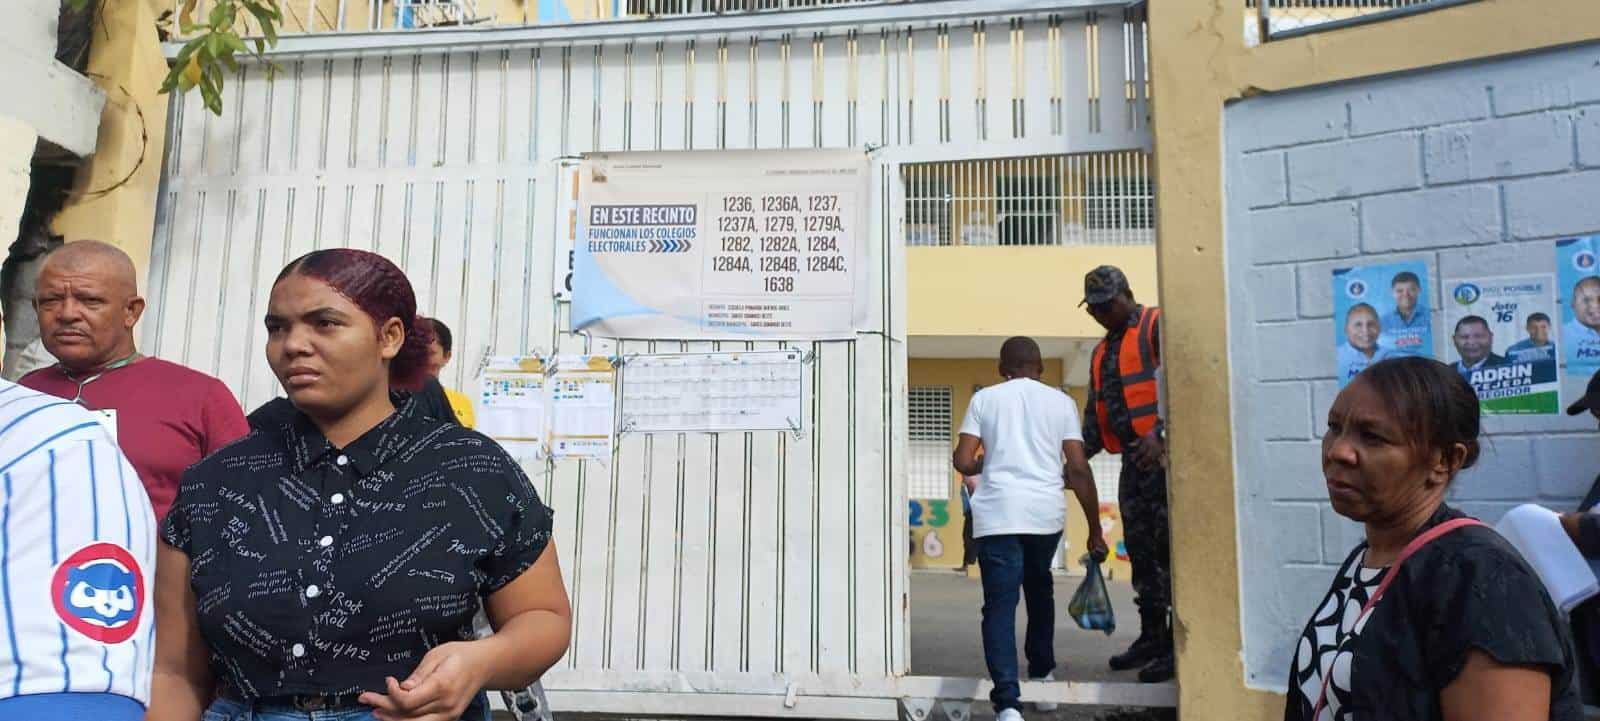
{"points": [[1137, 360]]}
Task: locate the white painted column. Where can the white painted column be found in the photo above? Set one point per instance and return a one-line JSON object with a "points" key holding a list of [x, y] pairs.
{"points": [[17, 140]]}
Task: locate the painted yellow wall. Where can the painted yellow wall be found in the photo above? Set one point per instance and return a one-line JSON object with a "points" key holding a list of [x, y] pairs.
{"points": [[1198, 63], [1006, 291], [114, 194]]}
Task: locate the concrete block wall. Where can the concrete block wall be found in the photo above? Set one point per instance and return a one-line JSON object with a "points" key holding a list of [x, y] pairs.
{"points": [[1478, 170]]}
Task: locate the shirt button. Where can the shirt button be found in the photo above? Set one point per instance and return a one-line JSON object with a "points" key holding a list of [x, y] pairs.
{"points": [[336, 499], [341, 460], [325, 541], [298, 650], [313, 591]]}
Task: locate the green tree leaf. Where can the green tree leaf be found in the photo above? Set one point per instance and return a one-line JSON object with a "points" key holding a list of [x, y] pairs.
{"points": [[213, 48]]}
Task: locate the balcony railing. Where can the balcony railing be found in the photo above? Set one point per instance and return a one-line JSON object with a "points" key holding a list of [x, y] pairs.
{"points": [[301, 17], [1277, 19], [1081, 199]]}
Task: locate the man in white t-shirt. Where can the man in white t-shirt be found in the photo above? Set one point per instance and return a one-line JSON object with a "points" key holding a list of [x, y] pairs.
{"points": [[1028, 432]]}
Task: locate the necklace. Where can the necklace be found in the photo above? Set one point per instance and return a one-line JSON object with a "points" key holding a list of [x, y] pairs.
{"points": [[123, 363]]}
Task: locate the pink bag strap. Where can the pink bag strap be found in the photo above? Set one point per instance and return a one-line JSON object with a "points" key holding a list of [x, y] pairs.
{"points": [[1411, 548]]}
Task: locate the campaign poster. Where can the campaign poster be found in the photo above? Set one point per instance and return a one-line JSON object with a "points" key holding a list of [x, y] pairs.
{"points": [[1503, 341], [1578, 287], [1380, 311]]}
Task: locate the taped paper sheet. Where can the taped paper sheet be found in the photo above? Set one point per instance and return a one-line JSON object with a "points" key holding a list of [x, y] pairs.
{"points": [[511, 405], [710, 392], [583, 407]]}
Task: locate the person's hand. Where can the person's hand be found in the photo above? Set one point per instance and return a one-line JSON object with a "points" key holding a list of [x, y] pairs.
{"points": [[440, 688], [971, 482], [1097, 546], [1150, 452], [1569, 523]]}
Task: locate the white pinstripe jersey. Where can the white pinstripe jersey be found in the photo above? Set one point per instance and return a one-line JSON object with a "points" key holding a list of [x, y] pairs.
{"points": [[77, 554]]}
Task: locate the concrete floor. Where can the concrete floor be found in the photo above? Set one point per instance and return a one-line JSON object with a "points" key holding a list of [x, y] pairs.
{"points": [[946, 640]]}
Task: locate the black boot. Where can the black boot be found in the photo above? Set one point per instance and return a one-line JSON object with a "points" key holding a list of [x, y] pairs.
{"points": [[1160, 670], [1152, 641]]}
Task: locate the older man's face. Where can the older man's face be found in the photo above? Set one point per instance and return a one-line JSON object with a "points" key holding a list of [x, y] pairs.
{"points": [[1586, 304], [1473, 341], [1361, 328], [86, 312]]}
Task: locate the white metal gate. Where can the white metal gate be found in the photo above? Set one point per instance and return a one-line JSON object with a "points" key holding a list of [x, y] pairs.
{"points": [[768, 568]]}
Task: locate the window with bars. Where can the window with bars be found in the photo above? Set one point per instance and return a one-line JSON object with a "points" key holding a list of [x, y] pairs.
{"points": [[928, 211], [1029, 207], [1123, 202], [930, 429], [1079, 199]]}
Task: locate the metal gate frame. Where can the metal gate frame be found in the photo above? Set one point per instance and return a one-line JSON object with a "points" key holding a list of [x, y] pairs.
{"points": [[819, 693]]}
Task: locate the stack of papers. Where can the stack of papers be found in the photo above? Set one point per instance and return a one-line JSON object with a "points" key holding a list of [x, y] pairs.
{"points": [[1536, 532]]}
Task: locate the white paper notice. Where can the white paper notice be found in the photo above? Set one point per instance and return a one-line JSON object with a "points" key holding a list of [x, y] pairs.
{"points": [[511, 405], [723, 245], [566, 226], [583, 406], [710, 392]]}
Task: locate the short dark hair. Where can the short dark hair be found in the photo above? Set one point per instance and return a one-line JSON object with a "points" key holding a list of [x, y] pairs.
{"points": [[1019, 354], [1437, 406], [1405, 276], [1469, 320], [442, 332], [1538, 316]]}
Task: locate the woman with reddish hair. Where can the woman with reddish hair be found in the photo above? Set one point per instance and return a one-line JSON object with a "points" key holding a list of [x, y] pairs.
{"points": [[329, 564]]}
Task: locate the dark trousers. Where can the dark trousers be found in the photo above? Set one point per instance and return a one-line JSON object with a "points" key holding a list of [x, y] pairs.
{"points": [[1010, 563], [1142, 497]]}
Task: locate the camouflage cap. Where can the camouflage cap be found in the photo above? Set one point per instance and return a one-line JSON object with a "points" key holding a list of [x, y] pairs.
{"points": [[1103, 284]]}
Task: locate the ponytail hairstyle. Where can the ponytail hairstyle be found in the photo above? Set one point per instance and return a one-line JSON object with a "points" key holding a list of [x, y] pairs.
{"points": [[376, 285]]}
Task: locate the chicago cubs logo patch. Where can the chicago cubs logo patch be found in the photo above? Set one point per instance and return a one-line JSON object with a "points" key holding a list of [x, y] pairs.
{"points": [[98, 591]]}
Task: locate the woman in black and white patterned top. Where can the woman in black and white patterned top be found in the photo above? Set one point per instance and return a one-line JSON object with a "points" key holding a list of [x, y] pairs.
{"points": [[329, 564], [1465, 630]]}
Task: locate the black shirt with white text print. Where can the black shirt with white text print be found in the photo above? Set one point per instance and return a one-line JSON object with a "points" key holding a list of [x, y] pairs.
{"points": [[320, 570]]}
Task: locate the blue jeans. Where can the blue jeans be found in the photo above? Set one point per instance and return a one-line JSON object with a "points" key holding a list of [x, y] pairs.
{"points": [[227, 710], [1009, 562]]}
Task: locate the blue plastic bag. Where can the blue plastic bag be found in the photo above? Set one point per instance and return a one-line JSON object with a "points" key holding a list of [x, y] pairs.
{"points": [[1091, 603]]}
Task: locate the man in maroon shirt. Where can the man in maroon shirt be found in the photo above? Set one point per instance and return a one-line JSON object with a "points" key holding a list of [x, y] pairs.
{"points": [[164, 416]]}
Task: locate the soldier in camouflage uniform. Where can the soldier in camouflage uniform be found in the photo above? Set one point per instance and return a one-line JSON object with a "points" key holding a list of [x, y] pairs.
{"points": [[1123, 416]]}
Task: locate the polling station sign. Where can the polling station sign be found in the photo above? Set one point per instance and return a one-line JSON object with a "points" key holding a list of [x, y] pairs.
{"points": [[721, 245], [1578, 286], [1504, 342], [1380, 311]]}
